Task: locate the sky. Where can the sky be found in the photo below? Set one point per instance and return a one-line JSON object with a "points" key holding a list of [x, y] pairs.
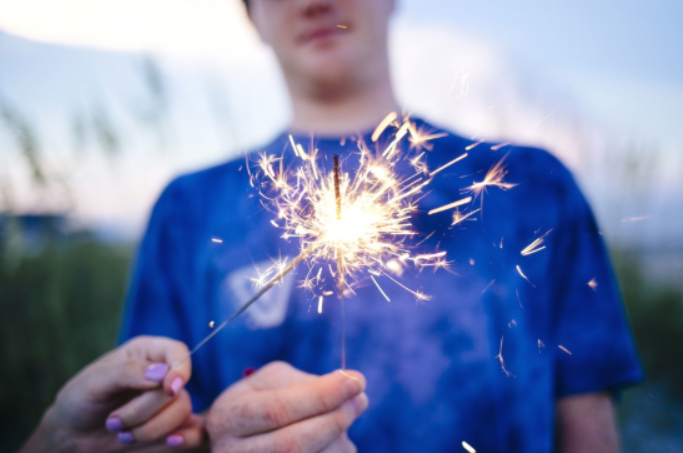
{"points": [[597, 83]]}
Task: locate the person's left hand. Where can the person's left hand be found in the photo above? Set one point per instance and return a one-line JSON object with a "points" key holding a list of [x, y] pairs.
{"points": [[128, 397]]}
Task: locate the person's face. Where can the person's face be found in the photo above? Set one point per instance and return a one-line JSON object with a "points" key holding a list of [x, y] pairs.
{"points": [[324, 40]]}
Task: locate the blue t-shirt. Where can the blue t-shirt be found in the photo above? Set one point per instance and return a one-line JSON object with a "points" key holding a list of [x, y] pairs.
{"points": [[504, 335]]}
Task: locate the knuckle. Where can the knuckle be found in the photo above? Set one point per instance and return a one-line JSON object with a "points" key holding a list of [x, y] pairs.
{"points": [[340, 422], [274, 413]]}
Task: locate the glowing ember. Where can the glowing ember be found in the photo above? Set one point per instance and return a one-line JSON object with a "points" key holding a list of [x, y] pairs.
{"points": [[593, 284]]}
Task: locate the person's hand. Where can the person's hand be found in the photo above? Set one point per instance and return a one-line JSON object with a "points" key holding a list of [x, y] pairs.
{"points": [[126, 398], [282, 409]]}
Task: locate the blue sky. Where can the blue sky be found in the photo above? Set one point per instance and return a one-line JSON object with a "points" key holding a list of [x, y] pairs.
{"points": [[609, 69]]}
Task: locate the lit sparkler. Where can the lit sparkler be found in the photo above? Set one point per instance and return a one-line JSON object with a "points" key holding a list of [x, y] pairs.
{"points": [[358, 220]]}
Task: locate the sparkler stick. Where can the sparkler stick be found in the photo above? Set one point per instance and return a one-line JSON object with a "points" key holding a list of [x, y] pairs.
{"points": [[272, 282], [340, 263]]}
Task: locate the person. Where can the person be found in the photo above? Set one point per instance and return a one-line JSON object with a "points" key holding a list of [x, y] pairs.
{"points": [[514, 352]]}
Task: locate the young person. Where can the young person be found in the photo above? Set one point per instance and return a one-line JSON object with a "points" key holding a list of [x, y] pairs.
{"points": [[514, 353]]}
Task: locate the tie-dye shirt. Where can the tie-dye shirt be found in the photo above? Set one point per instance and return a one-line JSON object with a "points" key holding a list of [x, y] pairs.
{"points": [[503, 336]]}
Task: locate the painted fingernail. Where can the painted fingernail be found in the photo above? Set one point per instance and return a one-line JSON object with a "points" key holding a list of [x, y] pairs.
{"points": [[125, 437], [248, 371], [175, 440], [156, 372], [176, 385], [114, 424]]}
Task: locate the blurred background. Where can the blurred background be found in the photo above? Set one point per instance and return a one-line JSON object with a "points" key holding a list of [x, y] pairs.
{"points": [[102, 102]]}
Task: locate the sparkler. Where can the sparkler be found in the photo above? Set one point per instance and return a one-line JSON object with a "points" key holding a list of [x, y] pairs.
{"points": [[359, 220]]}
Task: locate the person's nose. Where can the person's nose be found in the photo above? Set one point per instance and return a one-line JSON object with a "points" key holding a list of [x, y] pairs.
{"points": [[315, 7]]}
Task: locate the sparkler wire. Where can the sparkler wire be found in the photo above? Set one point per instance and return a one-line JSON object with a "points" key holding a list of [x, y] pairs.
{"points": [[340, 263], [272, 282]]}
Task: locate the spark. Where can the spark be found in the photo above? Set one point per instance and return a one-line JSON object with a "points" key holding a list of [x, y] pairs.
{"points": [[540, 345], [494, 177], [383, 125], [635, 219], [489, 285], [320, 304], [499, 146], [474, 145], [564, 349], [459, 217], [211, 324], [443, 167], [341, 26], [468, 447], [455, 204], [519, 271], [593, 284], [545, 118], [534, 246], [380, 289], [501, 360], [217, 241], [420, 138]]}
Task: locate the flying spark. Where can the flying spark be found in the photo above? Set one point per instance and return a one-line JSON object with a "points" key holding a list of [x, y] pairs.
{"points": [[535, 246], [217, 241], [494, 177], [564, 349], [519, 271], [468, 447], [593, 284]]}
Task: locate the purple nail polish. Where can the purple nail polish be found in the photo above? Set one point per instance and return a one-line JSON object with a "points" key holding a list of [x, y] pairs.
{"points": [[114, 424], [175, 440], [125, 437], [176, 385], [156, 372]]}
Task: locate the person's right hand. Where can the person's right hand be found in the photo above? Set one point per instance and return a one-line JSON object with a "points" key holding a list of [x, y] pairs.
{"points": [[282, 409]]}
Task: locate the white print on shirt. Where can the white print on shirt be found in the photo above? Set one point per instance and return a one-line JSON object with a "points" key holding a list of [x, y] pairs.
{"points": [[267, 312]]}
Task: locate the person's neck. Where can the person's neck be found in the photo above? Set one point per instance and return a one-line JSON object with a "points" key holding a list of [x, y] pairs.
{"points": [[353, 112]]}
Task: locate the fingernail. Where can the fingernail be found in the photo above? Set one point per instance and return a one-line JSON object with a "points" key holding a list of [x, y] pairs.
{"points": [[352, 387], [114, 424], [156, 372], [359, 403], [176, 385], [248, 371], [125, 437], [175, 440]]}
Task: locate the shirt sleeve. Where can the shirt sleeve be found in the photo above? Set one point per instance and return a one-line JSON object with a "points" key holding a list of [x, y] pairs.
{"points": [[595, 350]]}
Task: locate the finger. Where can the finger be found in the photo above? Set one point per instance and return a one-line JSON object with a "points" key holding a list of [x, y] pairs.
{"points": [[175, 367], [108, 378], [138, 410], [341, 445], [190, 436], [276, 375], [164, 422], [267, 410], [314, 434]]}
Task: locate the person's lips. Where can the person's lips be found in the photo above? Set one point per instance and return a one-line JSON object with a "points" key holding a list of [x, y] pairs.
{"points": [[322, 34]]}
